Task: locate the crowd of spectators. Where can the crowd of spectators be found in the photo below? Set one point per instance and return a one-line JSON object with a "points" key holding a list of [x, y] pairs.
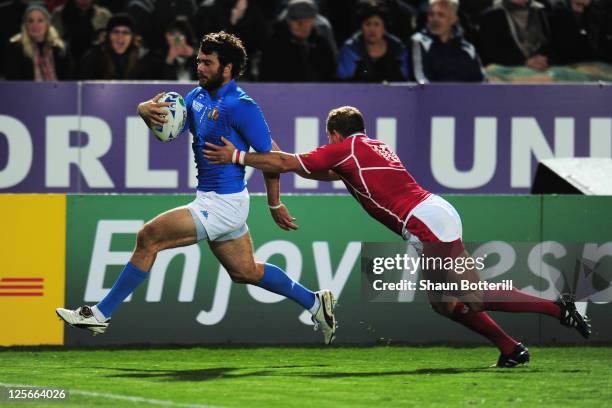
{"points": [[302, 40]]}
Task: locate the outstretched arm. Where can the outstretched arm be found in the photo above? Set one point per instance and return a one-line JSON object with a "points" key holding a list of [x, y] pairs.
{"points": [[270, 162], [329, 175]]}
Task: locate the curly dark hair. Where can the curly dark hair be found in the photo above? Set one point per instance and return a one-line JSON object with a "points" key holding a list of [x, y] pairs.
{"points": [[229, 49], [368, 8], [345, 120]]}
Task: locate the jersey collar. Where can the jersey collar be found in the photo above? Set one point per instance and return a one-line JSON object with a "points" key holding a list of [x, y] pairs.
{"points": [[357, 134]]}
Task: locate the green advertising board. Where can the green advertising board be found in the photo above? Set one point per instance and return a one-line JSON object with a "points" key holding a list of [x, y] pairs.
{"points": [[189, 299]]}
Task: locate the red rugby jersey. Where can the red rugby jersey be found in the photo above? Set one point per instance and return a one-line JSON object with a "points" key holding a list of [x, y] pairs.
{"points": [[373, 174]]}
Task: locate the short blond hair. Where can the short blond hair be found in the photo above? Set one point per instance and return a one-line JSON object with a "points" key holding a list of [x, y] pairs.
{"points": [[345, 120], [453, 4]]}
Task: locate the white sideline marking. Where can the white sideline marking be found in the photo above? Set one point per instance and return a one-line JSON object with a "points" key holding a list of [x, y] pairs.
{"points": [[112, 396]]}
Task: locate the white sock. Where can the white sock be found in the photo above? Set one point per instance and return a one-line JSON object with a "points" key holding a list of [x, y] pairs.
{"points": [[98, 314], [315, 308]]}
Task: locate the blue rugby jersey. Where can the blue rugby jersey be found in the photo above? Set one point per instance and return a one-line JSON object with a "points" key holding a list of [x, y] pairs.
{"points": [[230, 113]]}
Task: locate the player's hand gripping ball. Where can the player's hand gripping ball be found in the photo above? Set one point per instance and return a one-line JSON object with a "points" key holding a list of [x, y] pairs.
{"points": [[176, 116]]}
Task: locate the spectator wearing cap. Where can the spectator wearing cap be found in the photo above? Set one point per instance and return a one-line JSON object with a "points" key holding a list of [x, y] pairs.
{"points": [[372, 54], [80, 23], [440, 53], [322, 24], [37, 52], [120, 56], [296, 52]]}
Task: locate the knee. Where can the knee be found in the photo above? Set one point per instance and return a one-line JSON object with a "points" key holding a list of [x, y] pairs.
{"points": [[245, 276], [148, 238], [238, 277], [444, 308]]}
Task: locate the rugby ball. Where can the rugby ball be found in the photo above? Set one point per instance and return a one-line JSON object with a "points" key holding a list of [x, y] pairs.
{"points": [[176, 115]]}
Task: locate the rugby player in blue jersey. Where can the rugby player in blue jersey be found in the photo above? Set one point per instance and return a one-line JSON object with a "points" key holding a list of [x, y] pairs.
{"points": [[217, 107]]}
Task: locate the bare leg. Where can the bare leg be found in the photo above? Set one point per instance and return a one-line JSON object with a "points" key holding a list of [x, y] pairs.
{"points": [[171, 229], [237, 257]]}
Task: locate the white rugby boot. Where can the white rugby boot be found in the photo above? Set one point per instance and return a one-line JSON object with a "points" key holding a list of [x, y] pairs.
{"points": [[82, 318], [325, 315]]}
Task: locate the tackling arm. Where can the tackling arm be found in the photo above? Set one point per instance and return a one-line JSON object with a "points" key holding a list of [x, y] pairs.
{"points": [[270, 162], [329, 175], [277, 162], [282, 162]]}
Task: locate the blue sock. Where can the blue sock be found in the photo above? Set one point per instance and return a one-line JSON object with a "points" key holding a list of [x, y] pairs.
{"points": [[277, 281], [128, 281]]}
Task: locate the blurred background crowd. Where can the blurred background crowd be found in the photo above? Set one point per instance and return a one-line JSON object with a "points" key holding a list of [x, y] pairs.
{"points": [[311, 40]]}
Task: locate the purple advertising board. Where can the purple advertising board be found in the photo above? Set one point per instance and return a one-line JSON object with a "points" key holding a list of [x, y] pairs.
{"points": [[27, 110], [457, 138]]}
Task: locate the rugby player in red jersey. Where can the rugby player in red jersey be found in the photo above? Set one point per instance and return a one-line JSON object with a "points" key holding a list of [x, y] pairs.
{"points": [[375, 176]]}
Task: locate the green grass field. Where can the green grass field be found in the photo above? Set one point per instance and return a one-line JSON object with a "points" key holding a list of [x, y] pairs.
{"points": [[318, 377]]}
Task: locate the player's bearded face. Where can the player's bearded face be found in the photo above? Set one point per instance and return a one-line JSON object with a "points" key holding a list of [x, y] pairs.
{"points": [[210, 72], [213, 81]]}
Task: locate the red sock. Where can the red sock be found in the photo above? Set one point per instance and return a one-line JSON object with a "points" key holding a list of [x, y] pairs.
{"points": [[519, 302], [481, 323]]}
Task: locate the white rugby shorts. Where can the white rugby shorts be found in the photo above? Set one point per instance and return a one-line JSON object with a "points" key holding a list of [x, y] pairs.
{"points": [[439, 216], [223, 216]]}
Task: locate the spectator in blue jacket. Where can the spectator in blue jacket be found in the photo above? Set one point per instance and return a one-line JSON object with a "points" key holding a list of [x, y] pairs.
{"points": [[440, 53], [371, 54]]}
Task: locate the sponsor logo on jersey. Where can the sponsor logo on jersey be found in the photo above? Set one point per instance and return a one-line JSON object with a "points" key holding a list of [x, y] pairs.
{"points": [[197, 106]]}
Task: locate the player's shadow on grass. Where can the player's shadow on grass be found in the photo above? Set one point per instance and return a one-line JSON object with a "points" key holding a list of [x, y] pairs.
{"points": [[420, 371], [205, 374], [425, 371], [228, 373]]}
